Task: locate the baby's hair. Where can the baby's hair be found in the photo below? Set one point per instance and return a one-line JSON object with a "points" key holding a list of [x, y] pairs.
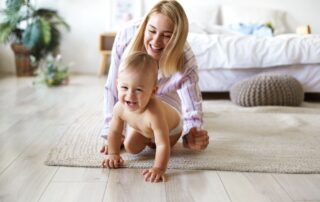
{"points": [[140, 62]]}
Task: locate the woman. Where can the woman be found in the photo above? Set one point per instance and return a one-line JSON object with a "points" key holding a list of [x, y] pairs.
{"points": [[163, 34]]}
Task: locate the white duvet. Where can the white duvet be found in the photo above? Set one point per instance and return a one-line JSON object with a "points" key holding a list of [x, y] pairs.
{"points": [[243, 51]]}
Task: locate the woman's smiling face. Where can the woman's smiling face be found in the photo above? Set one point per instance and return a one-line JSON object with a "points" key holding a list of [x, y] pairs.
{"points": [[157, 34]]}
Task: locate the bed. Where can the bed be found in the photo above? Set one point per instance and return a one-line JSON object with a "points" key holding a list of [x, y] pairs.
{"points": [[225, 59], [227, 56]]}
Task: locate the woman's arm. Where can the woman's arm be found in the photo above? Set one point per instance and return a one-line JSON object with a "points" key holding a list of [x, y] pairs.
{"points": [[190, 94], [194, 137]]}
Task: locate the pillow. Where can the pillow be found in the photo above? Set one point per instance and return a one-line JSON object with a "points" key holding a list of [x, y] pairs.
{"points": [[254, 15], [219, 29], [202, 16]]}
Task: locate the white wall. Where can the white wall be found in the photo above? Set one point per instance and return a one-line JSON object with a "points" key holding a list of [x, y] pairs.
{"points": [[89, 18]]}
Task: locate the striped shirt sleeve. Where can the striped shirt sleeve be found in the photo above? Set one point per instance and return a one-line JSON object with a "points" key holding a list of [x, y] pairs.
{"points": [[190, 94], [181, 91]]}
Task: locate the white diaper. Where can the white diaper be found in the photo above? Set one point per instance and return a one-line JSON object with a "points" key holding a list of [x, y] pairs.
{"points": [[177, 129]]}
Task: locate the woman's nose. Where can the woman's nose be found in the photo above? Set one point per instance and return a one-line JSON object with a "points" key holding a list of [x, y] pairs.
{"points": [[157, 39]]}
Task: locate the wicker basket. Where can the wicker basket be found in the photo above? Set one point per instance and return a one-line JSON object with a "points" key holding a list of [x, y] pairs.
{"points": [[22, 58]]}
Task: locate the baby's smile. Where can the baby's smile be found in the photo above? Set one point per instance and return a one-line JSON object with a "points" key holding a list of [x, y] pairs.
{"points": [[131, 104]]}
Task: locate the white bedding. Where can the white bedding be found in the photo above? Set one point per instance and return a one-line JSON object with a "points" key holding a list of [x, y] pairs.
{"points": [[237, 51]]}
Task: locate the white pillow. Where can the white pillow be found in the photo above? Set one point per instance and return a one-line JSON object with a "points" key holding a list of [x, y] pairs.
{"points": [[219, 29], [254, 15], [203, 16]]}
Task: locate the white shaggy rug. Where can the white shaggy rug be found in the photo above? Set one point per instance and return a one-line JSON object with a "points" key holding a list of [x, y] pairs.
{"points": [[257, 139]]}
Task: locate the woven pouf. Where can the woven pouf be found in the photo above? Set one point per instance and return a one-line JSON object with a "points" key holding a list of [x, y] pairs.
{"points": [[267, 89]]}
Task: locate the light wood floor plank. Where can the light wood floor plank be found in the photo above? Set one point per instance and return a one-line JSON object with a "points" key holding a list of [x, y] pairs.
{"points": [[61, 107], [243, 187], [74, 191], [24, 148], [300, 187], [27, 177], [129, 185], [264, 183], [71, 174], [195, 186]]}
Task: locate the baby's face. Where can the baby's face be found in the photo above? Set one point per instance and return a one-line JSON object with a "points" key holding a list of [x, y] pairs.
{"points": [[135, 89]]}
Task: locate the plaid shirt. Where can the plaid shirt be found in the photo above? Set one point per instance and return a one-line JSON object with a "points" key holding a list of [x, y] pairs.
{"points": [[180, 90]]}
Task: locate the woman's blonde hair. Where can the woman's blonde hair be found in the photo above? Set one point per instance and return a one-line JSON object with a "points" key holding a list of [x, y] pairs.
{"points": [[172, 57]]}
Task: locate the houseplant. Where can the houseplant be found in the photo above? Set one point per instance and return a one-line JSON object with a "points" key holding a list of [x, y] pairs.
{"points": [[52, 71], [31, 31]]}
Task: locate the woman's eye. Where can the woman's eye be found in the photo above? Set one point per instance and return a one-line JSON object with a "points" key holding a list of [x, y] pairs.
{"points": [[167, 36], [152, 31]]}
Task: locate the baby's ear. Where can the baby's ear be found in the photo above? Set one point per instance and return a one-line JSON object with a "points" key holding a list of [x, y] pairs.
{"points": [[154, 91]]}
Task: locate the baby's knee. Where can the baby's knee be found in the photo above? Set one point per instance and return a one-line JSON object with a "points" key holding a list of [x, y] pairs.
{"points": [[129, 147]]}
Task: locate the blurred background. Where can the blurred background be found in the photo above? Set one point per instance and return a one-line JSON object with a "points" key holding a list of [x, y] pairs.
{"points": [[88, 19]]}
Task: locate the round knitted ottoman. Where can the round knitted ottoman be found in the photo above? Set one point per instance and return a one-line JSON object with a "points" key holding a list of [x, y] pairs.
{"points": [[267, 89]]}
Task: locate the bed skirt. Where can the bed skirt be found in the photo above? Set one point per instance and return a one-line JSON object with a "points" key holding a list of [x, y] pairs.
{"points": [[221, 80]]}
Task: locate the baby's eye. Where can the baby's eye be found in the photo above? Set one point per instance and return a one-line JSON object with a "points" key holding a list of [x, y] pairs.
{"points": [[124, 88], [139, 90]]}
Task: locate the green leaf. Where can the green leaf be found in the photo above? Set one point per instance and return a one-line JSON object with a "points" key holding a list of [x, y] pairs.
{"points": [[37, 34], [14, 4], [45, 31], [5, 33]]}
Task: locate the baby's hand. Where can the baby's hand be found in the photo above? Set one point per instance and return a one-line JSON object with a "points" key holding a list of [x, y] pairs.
{"points": [[113, 161], [154, 175]]}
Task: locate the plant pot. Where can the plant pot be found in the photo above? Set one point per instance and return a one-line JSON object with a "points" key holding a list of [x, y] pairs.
{"points": [[22, 60]]}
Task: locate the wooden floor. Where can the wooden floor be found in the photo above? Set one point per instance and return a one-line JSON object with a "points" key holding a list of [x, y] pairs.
{"points": [[34, 118]]}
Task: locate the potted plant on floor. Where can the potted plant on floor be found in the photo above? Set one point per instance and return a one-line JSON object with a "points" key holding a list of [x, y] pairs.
{"points": [[31, 31], [52, 71]]}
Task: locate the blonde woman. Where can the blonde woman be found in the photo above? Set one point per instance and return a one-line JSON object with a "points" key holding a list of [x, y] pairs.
{"points": [[162, 34]]}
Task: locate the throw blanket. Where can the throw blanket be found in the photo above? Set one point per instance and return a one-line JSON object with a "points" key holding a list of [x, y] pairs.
{"points": [[245, 51]]}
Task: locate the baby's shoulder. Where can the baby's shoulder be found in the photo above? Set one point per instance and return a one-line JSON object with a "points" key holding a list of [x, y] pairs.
{"points": [[155, 104], [155, 108], [118, 108]]}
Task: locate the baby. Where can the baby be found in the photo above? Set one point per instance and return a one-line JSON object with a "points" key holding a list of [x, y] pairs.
{"points": [[151, 122]]}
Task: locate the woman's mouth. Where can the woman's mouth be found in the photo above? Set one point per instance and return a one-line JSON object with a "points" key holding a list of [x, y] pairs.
{"points": [[155, 49]]}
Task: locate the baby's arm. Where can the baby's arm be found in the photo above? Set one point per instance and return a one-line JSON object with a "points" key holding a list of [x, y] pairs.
{"points": [[114, 159], [161, 135]]}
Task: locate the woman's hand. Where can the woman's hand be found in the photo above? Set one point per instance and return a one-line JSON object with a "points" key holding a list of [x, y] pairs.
{"points": [[113, 161], [196, 139], [154, 175]]}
